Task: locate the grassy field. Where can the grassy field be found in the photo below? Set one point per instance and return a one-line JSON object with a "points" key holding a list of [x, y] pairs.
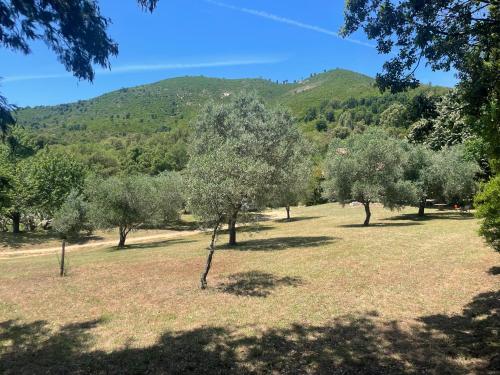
{"points": [[320, 294]]}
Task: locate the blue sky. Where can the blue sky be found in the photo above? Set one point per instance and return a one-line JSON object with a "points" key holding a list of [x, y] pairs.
{"points": [[280, 40]]}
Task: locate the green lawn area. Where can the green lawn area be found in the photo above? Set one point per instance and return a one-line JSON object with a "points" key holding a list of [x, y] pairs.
{"points": [[319, 295]]}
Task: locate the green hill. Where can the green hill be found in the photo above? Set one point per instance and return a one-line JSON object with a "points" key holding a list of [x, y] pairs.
{"points": [[163, 104], [152, 118]]}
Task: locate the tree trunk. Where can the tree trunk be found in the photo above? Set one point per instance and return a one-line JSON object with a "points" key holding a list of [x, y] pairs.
{"points": [[421, 207], [16, 222], [232, 229], [123, 237], [63, 251], [368, 214], [211, 250], [287, 212]]}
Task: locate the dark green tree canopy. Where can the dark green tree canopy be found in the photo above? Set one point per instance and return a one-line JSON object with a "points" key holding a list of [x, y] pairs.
{"points": [[444, 33]]}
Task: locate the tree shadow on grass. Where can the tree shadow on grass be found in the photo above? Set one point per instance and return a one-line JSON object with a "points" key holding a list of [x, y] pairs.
{"points": [[495, 270], [379, 225], [256, 283], [452, 215], [297, 218], [362, 343], [151, 245], [476, 332], [280, 243]]}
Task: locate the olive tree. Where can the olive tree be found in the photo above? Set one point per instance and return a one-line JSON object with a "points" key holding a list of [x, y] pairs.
{"points": [[168, 196], [446, 175], [69, 221], [457, 174], [295, 180], [368, 168], [130, 202], [248, 133], [419, 171], [72, 216], [238, 152], [218, 183]]}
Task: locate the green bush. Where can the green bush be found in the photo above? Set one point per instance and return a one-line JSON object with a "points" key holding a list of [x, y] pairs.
{"points": [[488, 208]]}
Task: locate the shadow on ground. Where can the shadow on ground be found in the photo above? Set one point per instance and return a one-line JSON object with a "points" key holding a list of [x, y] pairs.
{"points": [[355, 344], [281, 243], [449, 215], [256, 283], [298, 218], [250, 228], [379, 225], [495, 270], [18, 240], [151, 245]]}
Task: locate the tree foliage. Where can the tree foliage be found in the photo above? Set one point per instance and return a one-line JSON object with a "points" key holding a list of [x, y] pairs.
{"points": [[488, 202], [238, 158], [394, 117], [51, 177], [368, 168], [130, 202], [38, 185], [75, 31], [446, 126], [71, 219], [248, 143], [296, 177], [446, 175]]}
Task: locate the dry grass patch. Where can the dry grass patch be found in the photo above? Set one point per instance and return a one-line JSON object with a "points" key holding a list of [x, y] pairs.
{"points": [[314, 295]]}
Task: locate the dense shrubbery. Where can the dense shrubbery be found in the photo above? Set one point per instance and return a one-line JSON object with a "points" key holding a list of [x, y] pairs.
{"points": [[488, 201]]}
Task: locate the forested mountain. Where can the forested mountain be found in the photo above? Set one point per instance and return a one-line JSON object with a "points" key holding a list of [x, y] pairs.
{"points": [[145, 128]]}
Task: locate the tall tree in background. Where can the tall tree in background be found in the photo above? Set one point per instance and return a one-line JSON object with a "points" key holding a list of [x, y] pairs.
{"points": [[463, 35], [74, 30], [296, 173]]}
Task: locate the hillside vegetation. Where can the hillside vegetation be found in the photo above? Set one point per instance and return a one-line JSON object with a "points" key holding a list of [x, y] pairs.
{"points": [[139, 123]]}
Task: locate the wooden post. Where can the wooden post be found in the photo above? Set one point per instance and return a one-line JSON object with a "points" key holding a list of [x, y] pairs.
{"points": [[62, 257]]}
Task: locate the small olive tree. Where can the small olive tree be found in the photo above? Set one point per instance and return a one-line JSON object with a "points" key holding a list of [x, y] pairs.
{"points": [[69, 221], [72, 218], [295, 179], [168, 188], [368, 168], [216, 184], [419, 170], [130, 202]]}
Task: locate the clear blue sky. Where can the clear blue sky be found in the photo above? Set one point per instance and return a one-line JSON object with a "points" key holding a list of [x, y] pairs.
{"points": [[281, 40]]}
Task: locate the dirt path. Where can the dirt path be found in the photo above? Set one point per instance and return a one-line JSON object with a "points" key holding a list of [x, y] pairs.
{"points": [[96, 244], [270, 215]]}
